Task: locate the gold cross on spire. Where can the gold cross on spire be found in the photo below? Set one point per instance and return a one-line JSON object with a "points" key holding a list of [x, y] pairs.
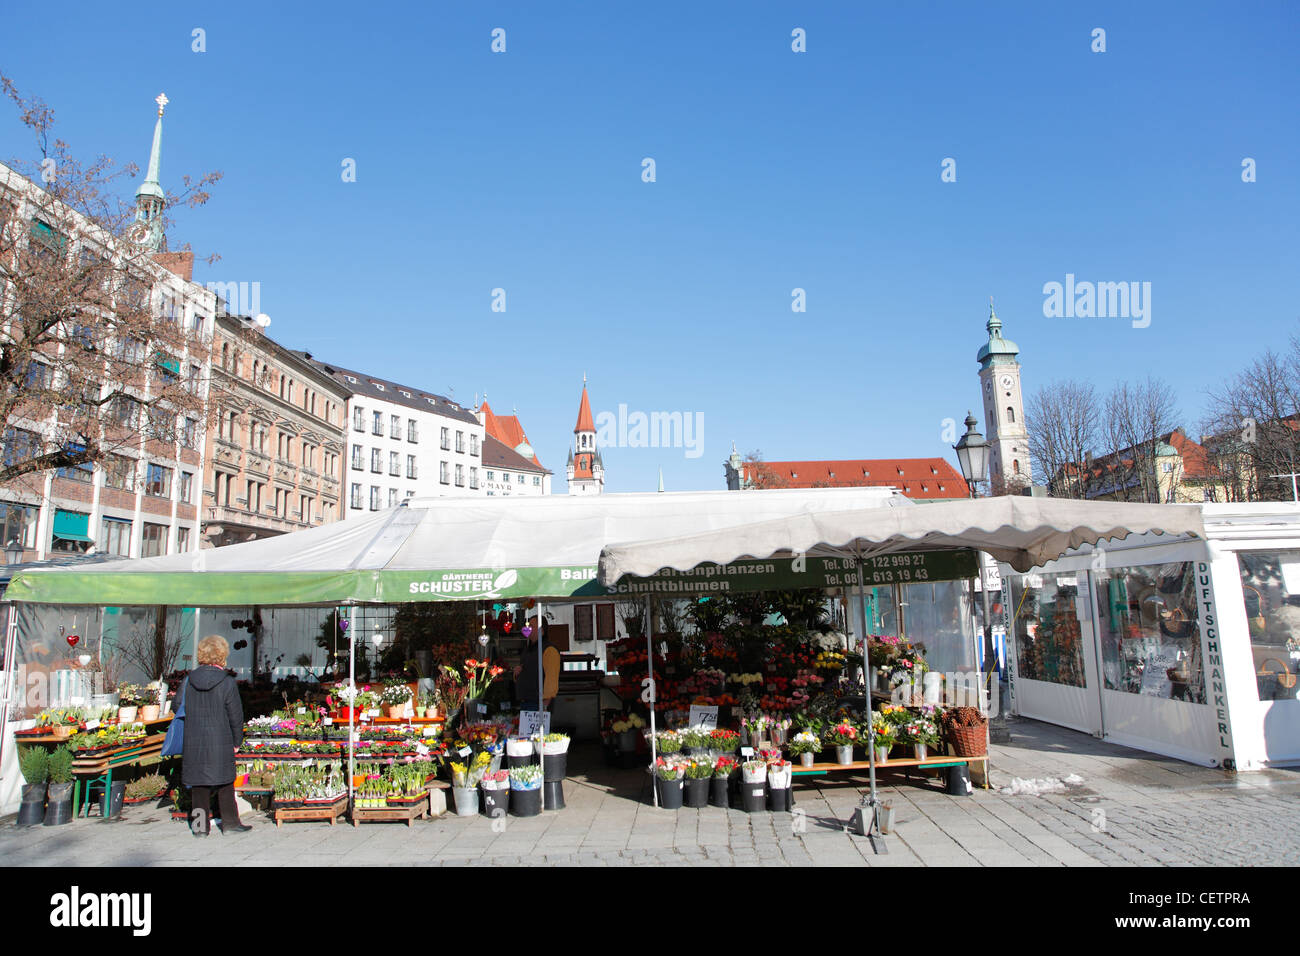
{"points": [[162, 101]]}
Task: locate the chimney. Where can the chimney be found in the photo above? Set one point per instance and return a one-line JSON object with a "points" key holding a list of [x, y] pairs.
{"points": [[181, 263]]}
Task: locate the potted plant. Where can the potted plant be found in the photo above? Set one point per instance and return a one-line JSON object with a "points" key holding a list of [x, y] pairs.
{"points": [[966, 730], [886, 735], [668, 742], [395, 697], [723, 741], [805, 745], [628, 730], [555, 756], [150, 695], [58, 810], [779, 773], [526, 790], [129, 699], [496, 793], [668, 779], [65, 721], [723, 768], [465, 778], [753, 775], [922, 733], [699, 771], [843, 736], [146, 788], [35, 765]]}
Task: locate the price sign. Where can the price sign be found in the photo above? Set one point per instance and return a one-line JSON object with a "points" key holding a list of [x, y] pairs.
{"points": [[465, 751], [534, 722], [747, 751], [364, 718], [302, 710], [92, 725], [327, 721], [421, 750], [704, 717], [431, 731]]}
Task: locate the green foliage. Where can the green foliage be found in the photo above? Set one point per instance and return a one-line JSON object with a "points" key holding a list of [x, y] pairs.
{"points": [[61, 765], [35, 764], [146, 786]]}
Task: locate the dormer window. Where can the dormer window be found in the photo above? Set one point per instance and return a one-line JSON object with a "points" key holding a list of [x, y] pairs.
{"points": [[378, 386]]}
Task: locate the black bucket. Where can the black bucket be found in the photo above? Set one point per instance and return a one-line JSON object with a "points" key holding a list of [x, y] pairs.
{"points": [[32, 810], [495, 802], [720, 792], [697, 792], [59, 809], [554, 767], [553, 794], [526, 803], [670, 793], [514, 763], [754, 797], [959, 781], [110, 804], [778, 799]]}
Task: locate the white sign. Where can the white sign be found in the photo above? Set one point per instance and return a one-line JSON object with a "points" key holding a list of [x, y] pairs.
{"points": [[431, 731], [747, 751], [327, 721], [534, 722], [704, 717], [1155, 676], [422, 750], [1291, 576], [465, 751]]}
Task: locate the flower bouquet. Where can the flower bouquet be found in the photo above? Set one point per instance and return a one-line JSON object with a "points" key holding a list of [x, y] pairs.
{"points": [[805, 745], [699, 771], [724, 741], [628, 731], [555, 744], [526, 790], [496, 793], [885, 736], [779, 775], [754, 771], [843, 737], [668, 742], [922, 732]]}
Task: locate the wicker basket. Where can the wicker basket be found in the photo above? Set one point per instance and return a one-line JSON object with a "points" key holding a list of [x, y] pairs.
{"points": [[969, 741]]}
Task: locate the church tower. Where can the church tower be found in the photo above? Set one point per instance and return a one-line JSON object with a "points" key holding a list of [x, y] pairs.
{"points": [[585, 471], [150, 198], [1004, 411]]}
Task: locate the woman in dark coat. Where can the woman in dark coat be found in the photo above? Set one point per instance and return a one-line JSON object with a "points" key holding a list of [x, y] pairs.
{"points": [[214, 725]]}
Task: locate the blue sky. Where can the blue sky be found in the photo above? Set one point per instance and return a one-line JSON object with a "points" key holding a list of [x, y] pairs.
{"points": [[774, 170]]}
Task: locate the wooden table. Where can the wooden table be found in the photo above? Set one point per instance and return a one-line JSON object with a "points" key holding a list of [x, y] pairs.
{"points": [[325, 811], [935, 762], [409, 814]]}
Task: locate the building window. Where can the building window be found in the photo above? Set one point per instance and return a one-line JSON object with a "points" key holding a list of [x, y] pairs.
{"points": [[521, 479], [190, 433], [491, 476], [374, 497], [358, 418], [537, 481], [119, 473], [20, 445], [187, 488], [446, 439], [357, 502], [182, 540], [395, 427], [254, 502], [505, 476], [460, 476], [377, 426], [410, 467], [460, 442], [158, 481], [153, 541], [115, 537], [473, 477], [473, 444], [358, 458], [84, 472], [376, 461], [392, 497], [394, 463], [1011, 414], [412, 432], [18, 523], [444, 473]]}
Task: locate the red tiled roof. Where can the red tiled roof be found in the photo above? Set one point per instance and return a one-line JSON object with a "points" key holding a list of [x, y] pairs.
{"points": [[585, 422], [505, 429], [919, 478], [496, 454]]}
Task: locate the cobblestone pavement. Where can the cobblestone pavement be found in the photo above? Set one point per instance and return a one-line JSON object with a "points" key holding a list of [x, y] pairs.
{"points": [[1130, 809]]}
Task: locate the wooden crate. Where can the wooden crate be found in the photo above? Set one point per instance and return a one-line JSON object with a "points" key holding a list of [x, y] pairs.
{"points": [[389, 814], [327, 811]]}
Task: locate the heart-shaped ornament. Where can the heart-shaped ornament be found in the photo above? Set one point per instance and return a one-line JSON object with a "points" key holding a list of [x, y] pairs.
{"points": [[73, 639]]}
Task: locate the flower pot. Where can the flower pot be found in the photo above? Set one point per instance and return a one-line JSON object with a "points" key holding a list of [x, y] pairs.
{"points": [[806, 759], [697, 792], [58, 810], [126, 715], [720, 792], [555, 766], [496, 803], [670, 793], [63, 731], [553, 794], [395, 711], [919, 751], [110, 803], [466, 801], [882, 755], [149, 712], [32, 810], [844, 755], [526, 803], [347, 713], [778, 799], [959, 781], [754, 797]]}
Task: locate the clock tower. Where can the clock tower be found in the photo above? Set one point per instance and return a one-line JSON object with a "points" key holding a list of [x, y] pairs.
{"points": [[1004, 411]]}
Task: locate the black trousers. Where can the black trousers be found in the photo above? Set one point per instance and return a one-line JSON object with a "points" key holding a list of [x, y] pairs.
{"points": [[229, 812]]}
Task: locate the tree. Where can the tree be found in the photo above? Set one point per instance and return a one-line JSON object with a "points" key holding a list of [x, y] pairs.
{"points": [[1062, 423], [756, 473], [1135, 419], [93, 358]]}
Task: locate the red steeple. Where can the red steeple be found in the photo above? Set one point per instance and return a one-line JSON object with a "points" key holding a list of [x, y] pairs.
{"points": [[585, 422]]}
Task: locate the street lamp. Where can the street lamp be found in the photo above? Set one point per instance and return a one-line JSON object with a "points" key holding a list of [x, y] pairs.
{"points": [[13, 552], [972, 454]]}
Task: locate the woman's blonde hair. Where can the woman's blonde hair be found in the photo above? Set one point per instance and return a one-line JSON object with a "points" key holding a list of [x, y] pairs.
{"points": [[213, 649]]}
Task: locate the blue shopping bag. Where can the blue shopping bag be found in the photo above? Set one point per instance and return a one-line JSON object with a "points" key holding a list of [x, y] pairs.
{"points": [[174, 742]]}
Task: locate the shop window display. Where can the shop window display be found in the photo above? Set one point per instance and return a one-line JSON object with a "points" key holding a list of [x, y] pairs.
{"points": [[1270, 588], [1150, 635], [939, 617], [1046, 625]]}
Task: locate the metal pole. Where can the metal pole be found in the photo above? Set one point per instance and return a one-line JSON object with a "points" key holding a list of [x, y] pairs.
{"points": [[352, 682], [11, 667], [541, 669], [873, 831], [650, 663]]}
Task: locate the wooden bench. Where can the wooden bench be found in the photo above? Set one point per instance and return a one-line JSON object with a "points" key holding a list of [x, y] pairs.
{"points": [[409, 814], [936, 762]]}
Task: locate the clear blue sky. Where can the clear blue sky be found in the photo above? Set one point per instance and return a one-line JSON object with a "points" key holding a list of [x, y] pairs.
{"points": [[775, 170]]}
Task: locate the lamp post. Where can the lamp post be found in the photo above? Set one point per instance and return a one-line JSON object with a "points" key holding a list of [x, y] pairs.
{"points": [[973, 457], [13, 552]]}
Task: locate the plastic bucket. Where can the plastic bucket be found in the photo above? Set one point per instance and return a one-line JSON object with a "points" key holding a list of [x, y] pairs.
{"points": [[670, 794], [110, 803], [32, 810], [59, 809], [496, 803], [466, 799], [778, 799], [526, 803], [555, 767], [754, 797], [720, 792], [697, 792], [553, 794]]}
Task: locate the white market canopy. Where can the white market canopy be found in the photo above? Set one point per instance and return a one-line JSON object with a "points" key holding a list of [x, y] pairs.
{"points": [[1024, 532], [442, 549]]}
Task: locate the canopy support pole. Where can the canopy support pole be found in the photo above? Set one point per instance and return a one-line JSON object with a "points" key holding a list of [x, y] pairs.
{"points": [[650, 663], [871, 804], [11, 669], [352, 708], [541, 669]]}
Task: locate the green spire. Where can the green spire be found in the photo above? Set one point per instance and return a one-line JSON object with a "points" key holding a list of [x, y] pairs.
{"points": [[149, 198], [994, 326]]}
